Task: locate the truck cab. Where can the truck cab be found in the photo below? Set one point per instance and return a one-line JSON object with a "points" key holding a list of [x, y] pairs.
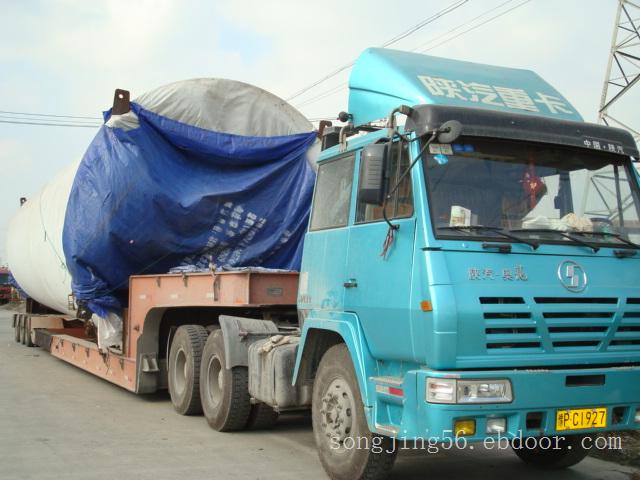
{"points": [[490, 288]]}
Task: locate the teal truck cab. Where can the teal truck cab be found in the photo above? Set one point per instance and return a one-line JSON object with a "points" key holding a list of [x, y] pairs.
{"points": [[473, 274]]}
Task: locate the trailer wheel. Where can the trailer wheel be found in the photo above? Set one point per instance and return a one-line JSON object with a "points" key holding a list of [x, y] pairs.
{"points": [[23, 327], [224, 392], [347, 449], [184, 368], [262, 417], [567, 452], [27, 334], [16, 329]]}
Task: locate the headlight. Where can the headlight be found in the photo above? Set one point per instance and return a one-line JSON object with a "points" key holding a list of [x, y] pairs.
{"points": [[449, 390], [484, 391]]}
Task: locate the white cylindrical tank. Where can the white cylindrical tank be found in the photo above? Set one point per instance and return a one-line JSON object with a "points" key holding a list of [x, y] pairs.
{"points": [[35, 252], [34, 246]]}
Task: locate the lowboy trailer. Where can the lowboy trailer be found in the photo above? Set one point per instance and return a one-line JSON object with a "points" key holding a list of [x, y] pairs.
{"points": [[159, 305]]}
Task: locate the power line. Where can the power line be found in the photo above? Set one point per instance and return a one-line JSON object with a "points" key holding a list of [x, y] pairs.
{"points": [[336, 89], [50, 124], [324, 94], [39, 118], [49, 115], [393, 40], [476, 26], [463, 24], [62, 122], [48, 119], [424, 22]]}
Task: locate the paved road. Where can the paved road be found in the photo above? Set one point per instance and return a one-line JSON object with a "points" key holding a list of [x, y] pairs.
{"points": [[57, 421]]}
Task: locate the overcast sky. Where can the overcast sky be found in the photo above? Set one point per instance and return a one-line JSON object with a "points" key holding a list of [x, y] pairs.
{"points": [[66, 57]]}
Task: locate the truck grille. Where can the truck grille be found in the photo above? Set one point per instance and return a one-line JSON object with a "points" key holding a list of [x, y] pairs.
{"points": [[560, 324]]}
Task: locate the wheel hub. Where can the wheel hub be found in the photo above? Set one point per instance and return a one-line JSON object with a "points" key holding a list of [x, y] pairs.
{"points": [[215, 384], [337, 411], [180, 372]]}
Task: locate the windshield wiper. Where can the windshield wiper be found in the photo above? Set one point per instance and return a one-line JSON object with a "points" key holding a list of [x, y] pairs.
{"points": [[610, 234], [498, 230], [564, 234]]}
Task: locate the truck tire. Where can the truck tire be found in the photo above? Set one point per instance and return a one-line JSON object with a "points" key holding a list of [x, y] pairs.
{"points": [[337, 415], [262, 417], [224, 392], [569, 453], [184, 368]]}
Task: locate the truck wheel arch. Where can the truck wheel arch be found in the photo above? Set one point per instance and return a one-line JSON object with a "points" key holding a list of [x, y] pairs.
{"points": [[320, 335]]}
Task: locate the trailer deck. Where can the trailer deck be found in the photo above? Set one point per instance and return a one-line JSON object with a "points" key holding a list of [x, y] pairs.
{"points": [[150, 296]]}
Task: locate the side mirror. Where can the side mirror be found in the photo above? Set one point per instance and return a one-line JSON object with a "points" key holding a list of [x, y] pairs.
{"points": [[449, 131], [372, 173]]}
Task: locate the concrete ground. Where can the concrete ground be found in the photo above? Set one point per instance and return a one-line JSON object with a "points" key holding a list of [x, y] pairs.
{"points": [[57, 421]]}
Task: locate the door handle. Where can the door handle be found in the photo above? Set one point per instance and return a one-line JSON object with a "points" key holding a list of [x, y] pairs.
{"points": [[351, 283]]}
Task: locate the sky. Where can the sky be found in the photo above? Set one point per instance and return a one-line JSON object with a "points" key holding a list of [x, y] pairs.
{"points": [[66, 57]]}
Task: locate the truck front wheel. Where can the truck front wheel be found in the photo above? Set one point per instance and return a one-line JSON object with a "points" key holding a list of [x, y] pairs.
{"points": [[563, 452], [184, 368], [347, 449], [224, 391]]}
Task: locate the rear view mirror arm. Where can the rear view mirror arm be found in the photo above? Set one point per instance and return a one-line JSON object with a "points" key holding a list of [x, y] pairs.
{"points": [[404, 174]]}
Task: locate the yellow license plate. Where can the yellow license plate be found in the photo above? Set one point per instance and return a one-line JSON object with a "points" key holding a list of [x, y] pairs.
{"points": [[581, 418]]}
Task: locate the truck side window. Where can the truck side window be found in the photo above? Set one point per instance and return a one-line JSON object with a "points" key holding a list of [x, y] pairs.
{"points": [[401, 204], [333, 194]]}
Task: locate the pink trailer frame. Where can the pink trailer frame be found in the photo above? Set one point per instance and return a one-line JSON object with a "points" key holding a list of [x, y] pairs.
{"points": [[150, 295]]}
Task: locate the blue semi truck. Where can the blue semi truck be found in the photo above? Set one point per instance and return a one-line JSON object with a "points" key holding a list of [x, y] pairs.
{"points": [[469, 272]]}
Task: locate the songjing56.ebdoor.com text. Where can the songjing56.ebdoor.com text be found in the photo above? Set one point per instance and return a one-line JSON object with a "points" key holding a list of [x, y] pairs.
{"points": [[433, 445]]}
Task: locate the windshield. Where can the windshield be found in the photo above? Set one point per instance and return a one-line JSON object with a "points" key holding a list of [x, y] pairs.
{"points": [[4, 278], [549, 193]]}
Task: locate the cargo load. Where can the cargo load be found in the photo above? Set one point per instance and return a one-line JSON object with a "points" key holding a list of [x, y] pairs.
{"points": [[204, 173]]}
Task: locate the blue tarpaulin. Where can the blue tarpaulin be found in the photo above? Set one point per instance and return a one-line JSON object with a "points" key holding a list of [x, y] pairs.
{"points": [[167, 194]]}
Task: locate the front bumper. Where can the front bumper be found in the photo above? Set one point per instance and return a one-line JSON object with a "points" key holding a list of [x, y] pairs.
{"points": [[537, 395]]}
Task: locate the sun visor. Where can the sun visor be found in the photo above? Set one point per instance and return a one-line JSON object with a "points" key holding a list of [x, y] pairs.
{"points": [[383, 79]]}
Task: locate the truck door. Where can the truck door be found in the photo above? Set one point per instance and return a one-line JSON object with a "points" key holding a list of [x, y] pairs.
{"points": [[326, 243], [378, 287]]}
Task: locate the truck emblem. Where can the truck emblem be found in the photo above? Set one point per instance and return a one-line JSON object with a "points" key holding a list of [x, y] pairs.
{"points": [[572, 276]]}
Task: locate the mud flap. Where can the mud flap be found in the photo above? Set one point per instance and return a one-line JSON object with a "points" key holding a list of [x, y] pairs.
{"points": [[239, 333]]}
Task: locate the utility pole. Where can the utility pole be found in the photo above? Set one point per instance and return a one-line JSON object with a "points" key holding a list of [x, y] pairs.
{"points": [[623, 69]]}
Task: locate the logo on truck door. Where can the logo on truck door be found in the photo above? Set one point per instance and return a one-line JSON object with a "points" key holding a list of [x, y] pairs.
{"points": [[516, 273], [572, 276]]}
